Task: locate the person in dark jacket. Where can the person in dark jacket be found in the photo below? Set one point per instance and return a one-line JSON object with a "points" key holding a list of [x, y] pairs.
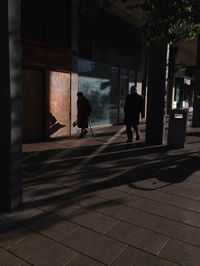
{"points": [[133, 107], [84, 109]]}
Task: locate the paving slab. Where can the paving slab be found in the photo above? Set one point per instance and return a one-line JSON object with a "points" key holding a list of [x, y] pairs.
{"points": [[170, 199], [52, 226], [93, 202], [181, 253], [134, 257], [82, 260], [155, 223], [183, 192], [91, 219], [24, 214], [39, 250], [57, 205], [138, 237], [164, 210], [8, 259], [95, 245], [195, 177], [190, 185], [11, 232]]}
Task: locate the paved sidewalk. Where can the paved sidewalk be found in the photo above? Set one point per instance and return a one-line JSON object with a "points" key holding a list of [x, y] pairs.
{"points": [[99, 201]]}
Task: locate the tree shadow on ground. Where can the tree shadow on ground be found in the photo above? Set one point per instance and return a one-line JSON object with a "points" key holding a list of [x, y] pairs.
{"points": [[57, 180], [114, 168]]}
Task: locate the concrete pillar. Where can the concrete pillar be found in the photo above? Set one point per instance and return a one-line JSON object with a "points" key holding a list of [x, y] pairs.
{"points": [[156, 93], [74, 75], [196, 105], [10, 106]]}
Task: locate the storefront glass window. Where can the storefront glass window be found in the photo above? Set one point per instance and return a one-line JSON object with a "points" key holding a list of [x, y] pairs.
{"points": [[99, 83]]}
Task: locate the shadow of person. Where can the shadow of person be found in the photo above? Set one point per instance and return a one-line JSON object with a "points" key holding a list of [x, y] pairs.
{"points": [[54, 125], [52, 119]]}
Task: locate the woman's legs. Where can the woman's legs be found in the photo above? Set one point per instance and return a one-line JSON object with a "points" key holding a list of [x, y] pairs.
{"points": [[135, 127], [83, 132]]}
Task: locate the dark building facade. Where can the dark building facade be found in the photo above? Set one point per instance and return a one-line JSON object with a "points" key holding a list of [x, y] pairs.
{"points": [[47, 66], [107, 64], [98, 56], [49, 51]]}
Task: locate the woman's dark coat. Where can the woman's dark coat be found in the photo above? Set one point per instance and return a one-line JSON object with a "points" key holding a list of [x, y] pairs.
{"points": [[84, 110]]}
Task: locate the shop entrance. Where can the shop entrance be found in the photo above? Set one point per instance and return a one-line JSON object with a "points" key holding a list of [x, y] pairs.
{"points": [[33, 98], [46, 104]]}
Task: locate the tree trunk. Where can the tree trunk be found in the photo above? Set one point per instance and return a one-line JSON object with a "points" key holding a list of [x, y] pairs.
{"points": [[156, 93]]}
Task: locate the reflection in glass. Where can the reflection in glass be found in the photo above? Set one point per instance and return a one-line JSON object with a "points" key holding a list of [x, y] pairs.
{"points": [[99, 83]]}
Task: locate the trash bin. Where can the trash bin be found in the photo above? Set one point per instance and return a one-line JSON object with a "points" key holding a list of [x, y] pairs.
{"points": [[177, 128]]}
